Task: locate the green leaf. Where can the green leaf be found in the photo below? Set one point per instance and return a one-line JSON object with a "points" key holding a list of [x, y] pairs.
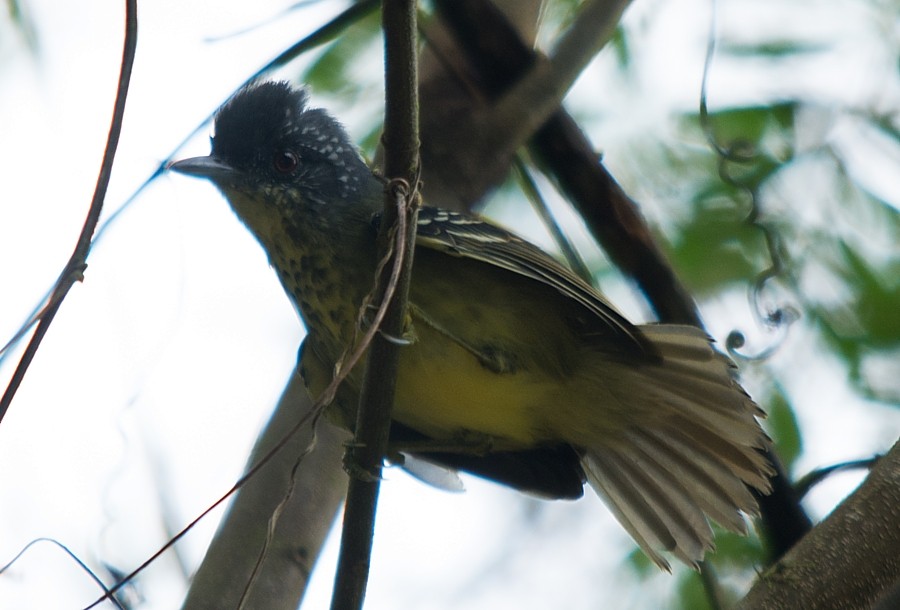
{"points": [[330, 72], [877, 305], [715, 248], [621, 48], [691, 594], [763, 129], [783, 426]]}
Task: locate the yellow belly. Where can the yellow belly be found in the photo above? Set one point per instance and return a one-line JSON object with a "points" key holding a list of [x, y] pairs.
{"points": [[444, 392]]}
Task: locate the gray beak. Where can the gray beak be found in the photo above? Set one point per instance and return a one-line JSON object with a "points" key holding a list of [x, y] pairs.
{"points": [[205, 167]]}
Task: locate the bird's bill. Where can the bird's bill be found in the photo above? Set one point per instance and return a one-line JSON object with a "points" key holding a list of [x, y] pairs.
{"points": [[204, 167]]}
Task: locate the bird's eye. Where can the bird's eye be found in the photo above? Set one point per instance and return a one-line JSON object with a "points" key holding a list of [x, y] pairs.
{"points": [[286, 161]]}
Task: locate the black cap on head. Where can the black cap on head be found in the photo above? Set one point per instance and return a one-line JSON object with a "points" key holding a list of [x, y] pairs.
{"points": [[267, 132], [255, 118]]}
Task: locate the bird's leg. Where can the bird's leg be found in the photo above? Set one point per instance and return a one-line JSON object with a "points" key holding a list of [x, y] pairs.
{"points": [[352, 468], [409, 334]]}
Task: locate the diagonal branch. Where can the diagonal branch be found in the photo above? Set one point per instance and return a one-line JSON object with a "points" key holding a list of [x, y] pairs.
{"points": [[74, 269], [318, 490], [850, 560], [610, 214]]}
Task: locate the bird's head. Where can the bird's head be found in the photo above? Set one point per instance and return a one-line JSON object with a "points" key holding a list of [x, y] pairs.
{"points": [[270, 147]]}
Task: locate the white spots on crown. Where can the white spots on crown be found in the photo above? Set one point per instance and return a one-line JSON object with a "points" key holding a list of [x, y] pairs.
{"points": [[321, 138], [310, 129]]}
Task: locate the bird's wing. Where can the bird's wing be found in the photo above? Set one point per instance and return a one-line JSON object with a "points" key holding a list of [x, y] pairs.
{"points": [[473, 238]]}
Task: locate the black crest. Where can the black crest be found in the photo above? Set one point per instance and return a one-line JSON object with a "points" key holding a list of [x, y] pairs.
{"points": [[257, 118], [267, 120]]}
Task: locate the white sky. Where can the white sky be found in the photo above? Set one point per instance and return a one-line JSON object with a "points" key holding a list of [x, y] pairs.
{"points": [[161, 368]]}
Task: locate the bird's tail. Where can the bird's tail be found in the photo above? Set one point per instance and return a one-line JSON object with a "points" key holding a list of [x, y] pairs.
{"points": [[692, 459]]}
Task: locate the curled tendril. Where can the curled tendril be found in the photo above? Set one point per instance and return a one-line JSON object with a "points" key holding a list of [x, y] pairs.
{"points": [[775, 318], [108, 593]]}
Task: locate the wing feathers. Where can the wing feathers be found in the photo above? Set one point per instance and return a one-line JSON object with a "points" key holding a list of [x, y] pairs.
{"points": [[692, 445], [688, 455], [469, 237]]}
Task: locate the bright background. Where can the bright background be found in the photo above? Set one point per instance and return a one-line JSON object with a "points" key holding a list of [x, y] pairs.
{"points": [[160, 369]]}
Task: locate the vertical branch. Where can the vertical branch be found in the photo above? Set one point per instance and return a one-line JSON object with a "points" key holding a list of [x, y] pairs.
{"points": [[396, 239]]}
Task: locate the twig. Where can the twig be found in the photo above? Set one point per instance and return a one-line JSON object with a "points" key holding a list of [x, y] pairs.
{"points": [[401, 144], [346, 365], [565, 245], [593, 26], [74, 269], [784, 521], [811, 479], [72, 556], [538, 93], [324, 34]]}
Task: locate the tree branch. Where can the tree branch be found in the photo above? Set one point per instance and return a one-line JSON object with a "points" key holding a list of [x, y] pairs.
{"points": [[74, 269], [317, 489], [401, 143], [849, 560]]}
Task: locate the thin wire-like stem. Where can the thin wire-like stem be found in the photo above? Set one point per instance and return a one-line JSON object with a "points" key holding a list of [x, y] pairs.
{"points": [[74, 558], [323, 35], [540, 206], [74, 269]]}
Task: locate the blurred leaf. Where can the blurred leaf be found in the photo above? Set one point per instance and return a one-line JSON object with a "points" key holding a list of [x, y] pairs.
{"points": [[775, 49], [621, 48], [864, 326], [21, 19], [330, 72], [641, 564], [691, 594], [877, 307], [737, 552], [783, 426], [750, 125], [752, 173], [715, 248], [370, 142], [869, 315]]}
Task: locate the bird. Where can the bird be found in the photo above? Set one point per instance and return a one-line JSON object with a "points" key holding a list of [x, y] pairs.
{"points": [[514, 369]]}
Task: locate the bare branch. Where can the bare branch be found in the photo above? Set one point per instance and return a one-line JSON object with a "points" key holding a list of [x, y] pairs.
{"points": [[401, 143], [318, 489], [74, 269]]}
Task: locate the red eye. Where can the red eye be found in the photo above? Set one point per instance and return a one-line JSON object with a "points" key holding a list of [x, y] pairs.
{"points": [[286, 161]]}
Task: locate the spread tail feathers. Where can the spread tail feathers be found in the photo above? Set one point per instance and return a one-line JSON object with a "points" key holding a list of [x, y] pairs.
{"points": [[663, 480]]}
